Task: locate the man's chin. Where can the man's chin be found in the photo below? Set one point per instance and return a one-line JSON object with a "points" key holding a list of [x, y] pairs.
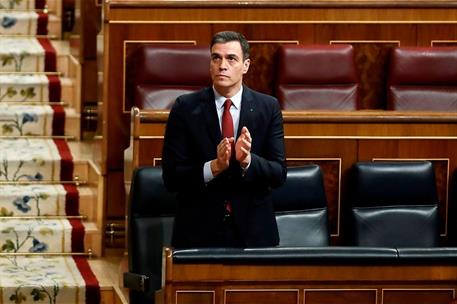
{"points": [[222, 84], [221, 80]]}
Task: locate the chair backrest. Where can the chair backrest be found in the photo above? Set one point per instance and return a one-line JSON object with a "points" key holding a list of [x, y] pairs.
{"points": [[423, 79], [157, 74], [150, 224], [394, 204], [301, 208], [321, 77]]}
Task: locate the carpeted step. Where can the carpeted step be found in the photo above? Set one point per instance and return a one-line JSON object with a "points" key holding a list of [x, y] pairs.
{"points": [[24, 4], [27, 54], [69, 92], [32, 88], [31, 120], [23, 23], [41, 207], [88, 203], [36, 279], [39, 200], [31, 159], [41, 235]]}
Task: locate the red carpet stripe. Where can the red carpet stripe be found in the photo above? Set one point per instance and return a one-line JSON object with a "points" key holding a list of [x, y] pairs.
{"points": [[71, 200], [92, 286], [66, 160], [55, 89], [42, 26], [58, 121], [50, 57], [77, 235]]}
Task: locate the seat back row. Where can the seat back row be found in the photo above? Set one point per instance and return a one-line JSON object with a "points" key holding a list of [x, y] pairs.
{"points": [[393, 205], [315, 77]]}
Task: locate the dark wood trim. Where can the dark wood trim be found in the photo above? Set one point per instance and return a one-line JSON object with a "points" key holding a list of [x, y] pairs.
{"points": [[288, 3], [341, 117]]}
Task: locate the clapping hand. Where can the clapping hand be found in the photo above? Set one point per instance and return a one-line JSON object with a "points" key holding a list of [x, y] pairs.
{"points": [[243, 148]]}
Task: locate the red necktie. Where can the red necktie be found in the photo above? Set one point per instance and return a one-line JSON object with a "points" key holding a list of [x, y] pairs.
{"points": [[227, 131], [227, 122]]}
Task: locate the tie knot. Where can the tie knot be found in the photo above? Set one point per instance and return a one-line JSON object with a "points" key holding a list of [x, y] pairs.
{"points": [[227, 104]]}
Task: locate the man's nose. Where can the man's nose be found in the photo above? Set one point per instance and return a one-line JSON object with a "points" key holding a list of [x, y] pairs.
{"points": [[223, 65]]}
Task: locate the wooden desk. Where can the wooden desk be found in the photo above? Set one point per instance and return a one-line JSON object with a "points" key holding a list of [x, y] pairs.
{"points": [[310, 284]]}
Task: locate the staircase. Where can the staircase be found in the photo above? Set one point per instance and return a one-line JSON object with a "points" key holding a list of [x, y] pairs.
{"points": [[50, 211]]}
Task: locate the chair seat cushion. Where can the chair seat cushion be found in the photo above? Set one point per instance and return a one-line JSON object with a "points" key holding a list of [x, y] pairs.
{"points": [[305, 228], [396, 226]]}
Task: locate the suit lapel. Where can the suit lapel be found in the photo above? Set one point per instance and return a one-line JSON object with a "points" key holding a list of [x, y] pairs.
{"points": [[246, 111], [210, 113]]}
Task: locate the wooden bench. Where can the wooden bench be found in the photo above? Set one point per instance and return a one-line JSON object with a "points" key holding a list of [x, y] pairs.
{"points": [[334, 275]]}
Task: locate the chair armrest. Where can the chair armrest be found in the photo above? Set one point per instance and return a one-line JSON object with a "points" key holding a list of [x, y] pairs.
{"points": [[286, 255], [135, 281], [433, 255]]}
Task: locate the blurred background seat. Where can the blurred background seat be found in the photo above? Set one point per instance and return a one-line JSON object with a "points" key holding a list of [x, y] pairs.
{"points": [[158, 74], [423, 79], [318, 77]]}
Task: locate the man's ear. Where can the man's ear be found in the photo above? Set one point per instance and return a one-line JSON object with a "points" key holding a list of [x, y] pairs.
{"points": [[246, 64]]}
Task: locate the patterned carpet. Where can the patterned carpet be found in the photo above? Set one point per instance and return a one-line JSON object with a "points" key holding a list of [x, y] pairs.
{"points": [[42, 254]]}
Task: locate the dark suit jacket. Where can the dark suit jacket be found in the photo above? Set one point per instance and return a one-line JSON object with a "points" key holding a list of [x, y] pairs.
{"points": [[191, 137]]}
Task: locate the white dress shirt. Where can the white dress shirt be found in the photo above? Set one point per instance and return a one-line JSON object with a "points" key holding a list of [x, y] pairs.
{"points": [[235, 112]]}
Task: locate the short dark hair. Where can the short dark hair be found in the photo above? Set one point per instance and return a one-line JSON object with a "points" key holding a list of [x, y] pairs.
{"points": [[227, 36]]}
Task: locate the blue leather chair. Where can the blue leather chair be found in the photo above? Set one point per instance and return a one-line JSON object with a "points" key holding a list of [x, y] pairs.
{"points": [[301, 208], [394, 204]]}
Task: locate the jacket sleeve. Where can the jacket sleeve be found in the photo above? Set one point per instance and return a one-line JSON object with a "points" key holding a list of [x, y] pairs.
{"points": [[182, 171], [268, 168]]}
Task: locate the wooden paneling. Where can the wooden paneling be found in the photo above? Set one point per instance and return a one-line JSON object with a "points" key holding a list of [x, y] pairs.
{"points": [[288, 11], [194, 297], [264, 296], [414, 296], [264, 66], [342, 296], [87, 27], [372, 64], [426, 34]]}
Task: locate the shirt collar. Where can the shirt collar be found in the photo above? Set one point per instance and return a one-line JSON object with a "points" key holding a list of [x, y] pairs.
{"points": [[236, 99]]}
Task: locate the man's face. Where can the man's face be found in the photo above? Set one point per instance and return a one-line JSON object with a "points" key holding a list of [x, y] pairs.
{"points": [[227, 67]]}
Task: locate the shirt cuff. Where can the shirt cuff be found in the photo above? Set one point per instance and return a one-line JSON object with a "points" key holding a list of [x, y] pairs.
{"points": [[245, 169], [207, 173]]}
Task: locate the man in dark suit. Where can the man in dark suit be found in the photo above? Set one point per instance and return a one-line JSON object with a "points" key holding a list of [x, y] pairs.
{"points": [[224, 178]]}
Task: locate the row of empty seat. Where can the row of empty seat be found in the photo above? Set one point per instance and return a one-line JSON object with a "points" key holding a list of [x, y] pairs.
{"points": [[393, 205], [315, 77]]}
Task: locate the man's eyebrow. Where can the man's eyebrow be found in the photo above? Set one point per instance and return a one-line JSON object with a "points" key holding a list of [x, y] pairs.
{"points": [[228, 55]]}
